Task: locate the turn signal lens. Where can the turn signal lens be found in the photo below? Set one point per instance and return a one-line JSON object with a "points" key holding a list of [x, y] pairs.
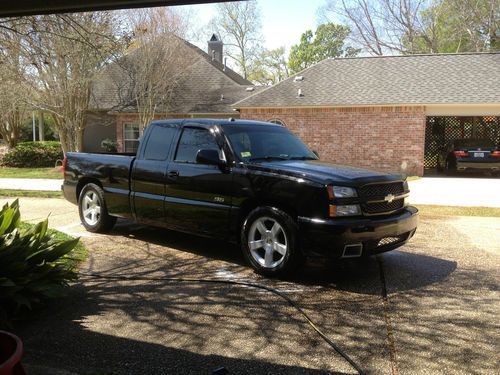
{"points": [[65, 161], [345, 210], [330, 192]]}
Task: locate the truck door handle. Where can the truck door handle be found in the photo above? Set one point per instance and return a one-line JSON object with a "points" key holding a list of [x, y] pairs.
{"points": [[173, 174]]}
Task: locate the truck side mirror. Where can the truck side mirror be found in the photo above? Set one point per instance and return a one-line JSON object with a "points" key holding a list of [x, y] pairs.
{"points": [[210, 157]]}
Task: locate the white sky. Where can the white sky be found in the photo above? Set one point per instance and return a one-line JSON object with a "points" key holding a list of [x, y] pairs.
{"points": [[283, 21]]}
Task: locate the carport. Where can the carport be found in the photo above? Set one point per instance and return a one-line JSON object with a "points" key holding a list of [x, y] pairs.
{"points": [[440, 130]]}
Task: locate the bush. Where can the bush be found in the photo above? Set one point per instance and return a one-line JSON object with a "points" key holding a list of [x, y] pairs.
{"points": [[33, 155], [34, 266]]}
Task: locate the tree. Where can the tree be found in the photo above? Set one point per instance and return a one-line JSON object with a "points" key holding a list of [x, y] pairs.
{"points": [[464, 25], [328, 41], [153, 64], [65, 53], [270, 67], [14, 95], [238, 24], [420, 26]]}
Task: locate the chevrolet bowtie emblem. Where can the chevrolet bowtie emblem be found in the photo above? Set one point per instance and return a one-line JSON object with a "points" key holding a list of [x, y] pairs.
{"points": [[389, 198]]}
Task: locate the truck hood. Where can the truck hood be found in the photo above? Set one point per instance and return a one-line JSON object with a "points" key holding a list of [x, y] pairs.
{"points": [[324, 173]]}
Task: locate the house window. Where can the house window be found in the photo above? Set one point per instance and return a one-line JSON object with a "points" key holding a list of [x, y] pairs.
{"points": [[277, 121], [131, 134]]}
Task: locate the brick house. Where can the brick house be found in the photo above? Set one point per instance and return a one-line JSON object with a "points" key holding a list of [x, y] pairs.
{"points": [[207, 88], [389, 113]]}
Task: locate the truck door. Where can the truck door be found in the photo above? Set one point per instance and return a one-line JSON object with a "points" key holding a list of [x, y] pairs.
{"points": [[197, 196], [148, 176]]}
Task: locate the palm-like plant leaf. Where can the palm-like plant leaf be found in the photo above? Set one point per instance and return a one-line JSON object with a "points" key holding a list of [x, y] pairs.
{"points": [[33, 266]]}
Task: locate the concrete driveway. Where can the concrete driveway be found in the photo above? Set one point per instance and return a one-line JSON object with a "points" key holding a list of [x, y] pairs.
{"points": [[429, 308], [456, 191]]}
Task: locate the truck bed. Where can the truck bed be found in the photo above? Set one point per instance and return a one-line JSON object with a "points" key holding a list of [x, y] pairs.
{"points": [[111, 170]]}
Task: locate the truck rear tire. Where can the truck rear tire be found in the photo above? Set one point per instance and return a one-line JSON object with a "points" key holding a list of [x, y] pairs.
{"points": [[269, 242], [93, 211]]}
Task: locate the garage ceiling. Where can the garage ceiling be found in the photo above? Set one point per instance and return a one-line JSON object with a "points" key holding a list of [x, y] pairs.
{"points": [[10, 8]]}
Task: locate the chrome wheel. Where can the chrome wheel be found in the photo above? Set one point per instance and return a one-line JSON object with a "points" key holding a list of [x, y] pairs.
{"points": [[267, 242], [91, 208]]}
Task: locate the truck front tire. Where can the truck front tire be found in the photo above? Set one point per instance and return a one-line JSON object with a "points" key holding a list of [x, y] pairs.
{"points": [[93, 211], [269, 242]]}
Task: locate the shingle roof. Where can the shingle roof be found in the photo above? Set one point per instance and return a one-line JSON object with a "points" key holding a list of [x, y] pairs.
{"points": [[205, 86], [414, 79]]}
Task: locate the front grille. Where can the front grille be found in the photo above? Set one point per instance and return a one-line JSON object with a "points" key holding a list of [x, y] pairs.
{"points": [[381, 190], [381, 207], [377, 192]]}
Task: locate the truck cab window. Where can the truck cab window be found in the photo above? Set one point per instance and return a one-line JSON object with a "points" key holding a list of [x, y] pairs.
{"points": [[193, 140], [159, 142]]}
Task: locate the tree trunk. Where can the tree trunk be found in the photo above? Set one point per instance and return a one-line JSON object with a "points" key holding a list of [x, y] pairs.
{"points": [[41, 132]]}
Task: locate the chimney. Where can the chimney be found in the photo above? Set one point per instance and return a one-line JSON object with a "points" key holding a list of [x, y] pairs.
{"points": [[215, 48]]}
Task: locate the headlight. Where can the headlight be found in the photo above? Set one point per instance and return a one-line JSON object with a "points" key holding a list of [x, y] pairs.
{"points": [[341, 192], [345, 210]]}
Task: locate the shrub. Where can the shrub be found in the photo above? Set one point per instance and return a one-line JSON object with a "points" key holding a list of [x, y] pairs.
{"points": [[33, 155], [34, 266]]}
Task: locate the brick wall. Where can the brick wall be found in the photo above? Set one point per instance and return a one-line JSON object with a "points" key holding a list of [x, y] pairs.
{"points": [[382, 138]]}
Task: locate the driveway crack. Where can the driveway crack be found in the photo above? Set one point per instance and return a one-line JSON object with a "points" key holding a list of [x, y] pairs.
{"points": [[387, 317]]}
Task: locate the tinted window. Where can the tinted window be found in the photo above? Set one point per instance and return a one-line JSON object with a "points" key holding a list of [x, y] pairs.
{"points": [[159, 142], [255, 142], [192, 141]]}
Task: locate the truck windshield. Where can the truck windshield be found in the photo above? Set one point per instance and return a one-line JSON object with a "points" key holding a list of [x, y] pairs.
{"points": [[262, 143]]}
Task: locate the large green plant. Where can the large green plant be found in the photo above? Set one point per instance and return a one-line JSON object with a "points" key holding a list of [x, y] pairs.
{"points": [[34, 266], [33, 155]]}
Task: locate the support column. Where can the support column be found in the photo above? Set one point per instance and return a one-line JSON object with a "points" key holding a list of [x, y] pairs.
{"points": [[41, 129]]}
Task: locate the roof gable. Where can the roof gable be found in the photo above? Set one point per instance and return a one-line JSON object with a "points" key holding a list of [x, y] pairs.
{"points": [[206, 86]]}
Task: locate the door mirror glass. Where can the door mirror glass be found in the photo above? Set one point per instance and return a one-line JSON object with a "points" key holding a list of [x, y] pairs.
{"points": [[206, 156]]}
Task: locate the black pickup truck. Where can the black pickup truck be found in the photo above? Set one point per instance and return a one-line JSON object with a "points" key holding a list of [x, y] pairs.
{"points": [[245, 181]]}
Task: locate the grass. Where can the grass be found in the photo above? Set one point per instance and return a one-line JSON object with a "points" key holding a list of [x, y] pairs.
{"points": [[431, 210], [30, 193], [51, 173], [413, 178]]}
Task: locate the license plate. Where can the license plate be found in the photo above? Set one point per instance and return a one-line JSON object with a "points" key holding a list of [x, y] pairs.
{"points": [[479, 154]]}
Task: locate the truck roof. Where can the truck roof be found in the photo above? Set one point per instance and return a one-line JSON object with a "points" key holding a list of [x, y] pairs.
{"points": [[210, 121]]}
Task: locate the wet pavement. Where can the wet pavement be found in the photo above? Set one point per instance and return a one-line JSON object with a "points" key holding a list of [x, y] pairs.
{"points": [[430, 307]]}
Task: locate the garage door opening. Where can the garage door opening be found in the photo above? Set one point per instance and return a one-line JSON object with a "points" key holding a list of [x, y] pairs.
{"points": [[442, 130]]}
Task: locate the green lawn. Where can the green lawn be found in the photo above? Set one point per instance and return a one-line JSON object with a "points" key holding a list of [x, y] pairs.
{"points": [[431, 210], [52, 173], [30, 193]]}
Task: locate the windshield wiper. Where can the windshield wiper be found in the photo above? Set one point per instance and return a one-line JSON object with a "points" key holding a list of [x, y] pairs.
{"points": [[268, 158], [302, 158]]}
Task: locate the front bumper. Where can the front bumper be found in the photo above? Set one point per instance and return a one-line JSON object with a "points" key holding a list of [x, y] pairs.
{"points": [[375, 234], [478, 165]]}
